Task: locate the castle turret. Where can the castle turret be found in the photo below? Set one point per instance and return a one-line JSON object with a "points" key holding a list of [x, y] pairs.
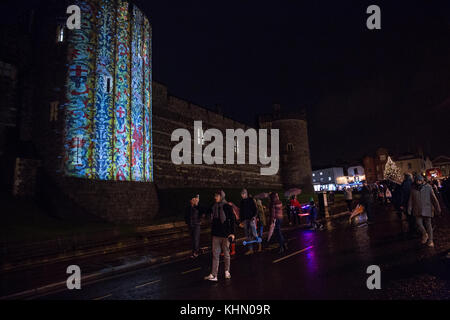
{"points": [[295, 162]]}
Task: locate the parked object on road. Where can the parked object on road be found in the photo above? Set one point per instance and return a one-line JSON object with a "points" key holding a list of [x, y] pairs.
{"points": [[358, 216]]}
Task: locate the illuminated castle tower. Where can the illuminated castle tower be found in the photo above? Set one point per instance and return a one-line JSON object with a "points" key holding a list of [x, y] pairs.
{"points": [[295, 163], [108, 93], [93, 111]]}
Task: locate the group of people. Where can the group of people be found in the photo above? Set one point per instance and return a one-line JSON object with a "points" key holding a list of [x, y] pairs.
{"points": [[417, 197], [224, 217], [420, 200], [295, 209]]}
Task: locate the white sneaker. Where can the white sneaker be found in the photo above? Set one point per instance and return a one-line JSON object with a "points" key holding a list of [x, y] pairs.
{"points": [[424, 238], [211, 278], [227, 275]]}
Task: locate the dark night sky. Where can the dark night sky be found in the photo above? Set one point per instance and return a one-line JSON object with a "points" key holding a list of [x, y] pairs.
{"points": [[362, 89]]}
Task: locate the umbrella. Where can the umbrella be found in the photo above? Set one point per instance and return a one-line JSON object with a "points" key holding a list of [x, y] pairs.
{"points": [[272, 227], [292, 192], [261, 196]]}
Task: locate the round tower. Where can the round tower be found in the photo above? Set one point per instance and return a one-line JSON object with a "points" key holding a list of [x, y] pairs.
{"points": [[295, 162]]}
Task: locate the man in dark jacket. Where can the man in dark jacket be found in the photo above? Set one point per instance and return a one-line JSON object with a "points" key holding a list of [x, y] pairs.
{"points": [[405, 191], [248, 214], [367, 201], [192, 217], [222, 231]]}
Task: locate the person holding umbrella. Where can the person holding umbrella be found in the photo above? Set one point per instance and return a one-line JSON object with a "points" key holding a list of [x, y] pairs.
{"points": [[293, 206]]}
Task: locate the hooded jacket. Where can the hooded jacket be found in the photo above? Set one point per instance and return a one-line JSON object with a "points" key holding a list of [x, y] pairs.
{"points": [[222, 226], [422, 200], [247, 209]]}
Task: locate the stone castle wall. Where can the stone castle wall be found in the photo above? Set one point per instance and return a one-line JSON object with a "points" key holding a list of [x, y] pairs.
{"points": [[170, 113]]}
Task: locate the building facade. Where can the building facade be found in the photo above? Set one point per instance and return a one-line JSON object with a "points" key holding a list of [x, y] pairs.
{"points": [[442, 163], [295, 160], [374, 166], [327, 178], [101, 126]]}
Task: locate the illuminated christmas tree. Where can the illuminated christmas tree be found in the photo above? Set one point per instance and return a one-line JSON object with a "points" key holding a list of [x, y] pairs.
{"points": [[391, 171]]}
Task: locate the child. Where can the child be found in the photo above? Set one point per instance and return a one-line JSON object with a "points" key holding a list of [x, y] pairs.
{"points": [[313, 216]]}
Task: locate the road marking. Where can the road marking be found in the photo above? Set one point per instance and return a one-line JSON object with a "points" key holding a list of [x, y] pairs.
{"points": [[101, 298], [189, 271], [292, 254], [146, 284]]}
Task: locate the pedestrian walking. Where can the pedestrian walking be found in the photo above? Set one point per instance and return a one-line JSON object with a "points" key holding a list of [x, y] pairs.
{"points": [[405, 191], [261, 218], [348, 196], [192, 217], [248, 213], [313, 213], [388, 195], [294, 210], [222, 231], [367, 202], [276, 216], [421, 202]]}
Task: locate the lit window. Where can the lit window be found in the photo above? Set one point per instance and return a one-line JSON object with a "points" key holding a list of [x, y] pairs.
{"points": [[329, 178], [314, 174], [78, 141], [290, 147], [200, 138], [60, 34], [108, 84], [321, 173], [54, 111]]}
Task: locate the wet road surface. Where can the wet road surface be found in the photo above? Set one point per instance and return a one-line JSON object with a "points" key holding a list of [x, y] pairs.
{"points": [[328, 264]]}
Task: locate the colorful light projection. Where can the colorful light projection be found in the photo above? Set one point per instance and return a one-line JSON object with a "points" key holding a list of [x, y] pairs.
{"points": [[108, 108]]}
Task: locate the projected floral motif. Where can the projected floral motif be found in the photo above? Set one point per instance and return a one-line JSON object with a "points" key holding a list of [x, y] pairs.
{"points": [[108, 107]]}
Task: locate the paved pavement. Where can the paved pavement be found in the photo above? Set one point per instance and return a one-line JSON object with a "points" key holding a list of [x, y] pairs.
{"points": [[329, 264]]}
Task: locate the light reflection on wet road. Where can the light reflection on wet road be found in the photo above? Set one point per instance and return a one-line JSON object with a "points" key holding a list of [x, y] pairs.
{"points": [[329, 264]]}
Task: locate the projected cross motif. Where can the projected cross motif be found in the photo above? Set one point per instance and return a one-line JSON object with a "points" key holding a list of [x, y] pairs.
{"points": [[110, 56]]}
